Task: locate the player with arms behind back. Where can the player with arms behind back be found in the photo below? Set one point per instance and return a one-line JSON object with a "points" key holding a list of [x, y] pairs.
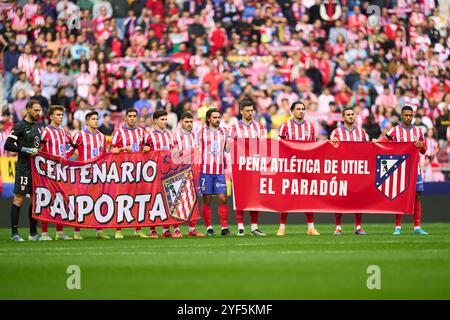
{"points": [[298, 129], [407, 132], [348, 132], [247, 128], [212, 139], [186, 142]]}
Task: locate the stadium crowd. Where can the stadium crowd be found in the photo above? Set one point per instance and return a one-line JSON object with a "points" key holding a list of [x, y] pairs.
{"points": [[190, 55]]}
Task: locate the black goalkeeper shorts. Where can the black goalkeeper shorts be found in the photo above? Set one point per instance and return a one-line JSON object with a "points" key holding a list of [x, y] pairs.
{"points": [[23, 183]]}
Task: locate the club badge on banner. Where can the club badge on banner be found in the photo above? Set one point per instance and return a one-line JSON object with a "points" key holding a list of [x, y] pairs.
{"points": [[347, 177], [116, 191]]}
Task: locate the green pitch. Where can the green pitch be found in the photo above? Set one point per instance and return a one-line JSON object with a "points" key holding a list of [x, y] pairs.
{"points": [[292, 267]]}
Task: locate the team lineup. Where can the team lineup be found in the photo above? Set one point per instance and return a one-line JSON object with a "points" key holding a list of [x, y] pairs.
{"points": [[210, 143]]}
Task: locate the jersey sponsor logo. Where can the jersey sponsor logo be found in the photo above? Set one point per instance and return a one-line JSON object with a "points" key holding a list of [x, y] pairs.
{"points": [[164, 148], [37, 142], [215, 147], [135, 147], [62, 149], [179, 190], [392, 177], [95, 152]]}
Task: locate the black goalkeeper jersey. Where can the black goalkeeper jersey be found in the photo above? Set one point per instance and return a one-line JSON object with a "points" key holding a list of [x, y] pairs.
{"points": [[26, 134]]}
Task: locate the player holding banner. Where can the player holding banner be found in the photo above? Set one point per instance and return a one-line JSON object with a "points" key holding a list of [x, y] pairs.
{"points": [[247, 128], [55, 141], [348, 132], [298, 129], [161, 139], [186, 142], [129, 138], [212, 139], [90, 144], [407, 132]]}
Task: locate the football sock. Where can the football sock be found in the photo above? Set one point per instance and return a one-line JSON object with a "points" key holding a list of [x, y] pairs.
{"points": [[15, 214], [283, 218], [253, 227], [358, 219], [239, 216], [310, 225], [337, 219], [338, 227], [33, 222], [282, 226], [206, 212], [44, 227], [76, 229], [310, 218], [398, 220], [417, 212], [240, 226], [358, 226], [223, 214], [59, 227], [254, 215]]}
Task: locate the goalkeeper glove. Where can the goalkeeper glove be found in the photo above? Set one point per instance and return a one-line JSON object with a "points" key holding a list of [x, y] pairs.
{"points": [[30, 151]]}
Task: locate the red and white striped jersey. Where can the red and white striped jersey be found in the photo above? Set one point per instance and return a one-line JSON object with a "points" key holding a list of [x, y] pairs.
{"points": [[400, 134], [292, 130], [213, 144], [343, 134], [55, 141], [124, 137], [158, 140], [252, 130], [90, 145], [3, 136], [185, 141]]}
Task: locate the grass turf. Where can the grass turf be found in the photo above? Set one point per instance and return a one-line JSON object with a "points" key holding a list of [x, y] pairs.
{"points": [[292, 267]]}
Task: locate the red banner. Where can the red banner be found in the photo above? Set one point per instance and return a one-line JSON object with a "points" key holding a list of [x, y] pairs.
{"points": [[123, 190], [347, 177]]}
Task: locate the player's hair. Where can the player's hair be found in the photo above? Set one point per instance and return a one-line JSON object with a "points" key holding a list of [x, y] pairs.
{"points": [[407, 108], [31, 103], [186, 115], [159, 113], [247, 102], [90, 114], [55, 107], [209, 114], [130, 111], [296, 103], [346, 109]]}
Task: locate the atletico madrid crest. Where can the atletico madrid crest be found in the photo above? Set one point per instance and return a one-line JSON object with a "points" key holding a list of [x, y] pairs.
{"points": [[392, 176], [180, 192]]}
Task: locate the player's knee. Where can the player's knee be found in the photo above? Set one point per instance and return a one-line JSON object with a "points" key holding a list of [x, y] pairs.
{"points": [[223, 199], [18, 200]]}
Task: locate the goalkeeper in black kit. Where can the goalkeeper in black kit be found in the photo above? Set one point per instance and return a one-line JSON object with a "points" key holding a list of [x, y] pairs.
{"points": [[25, 140]]}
